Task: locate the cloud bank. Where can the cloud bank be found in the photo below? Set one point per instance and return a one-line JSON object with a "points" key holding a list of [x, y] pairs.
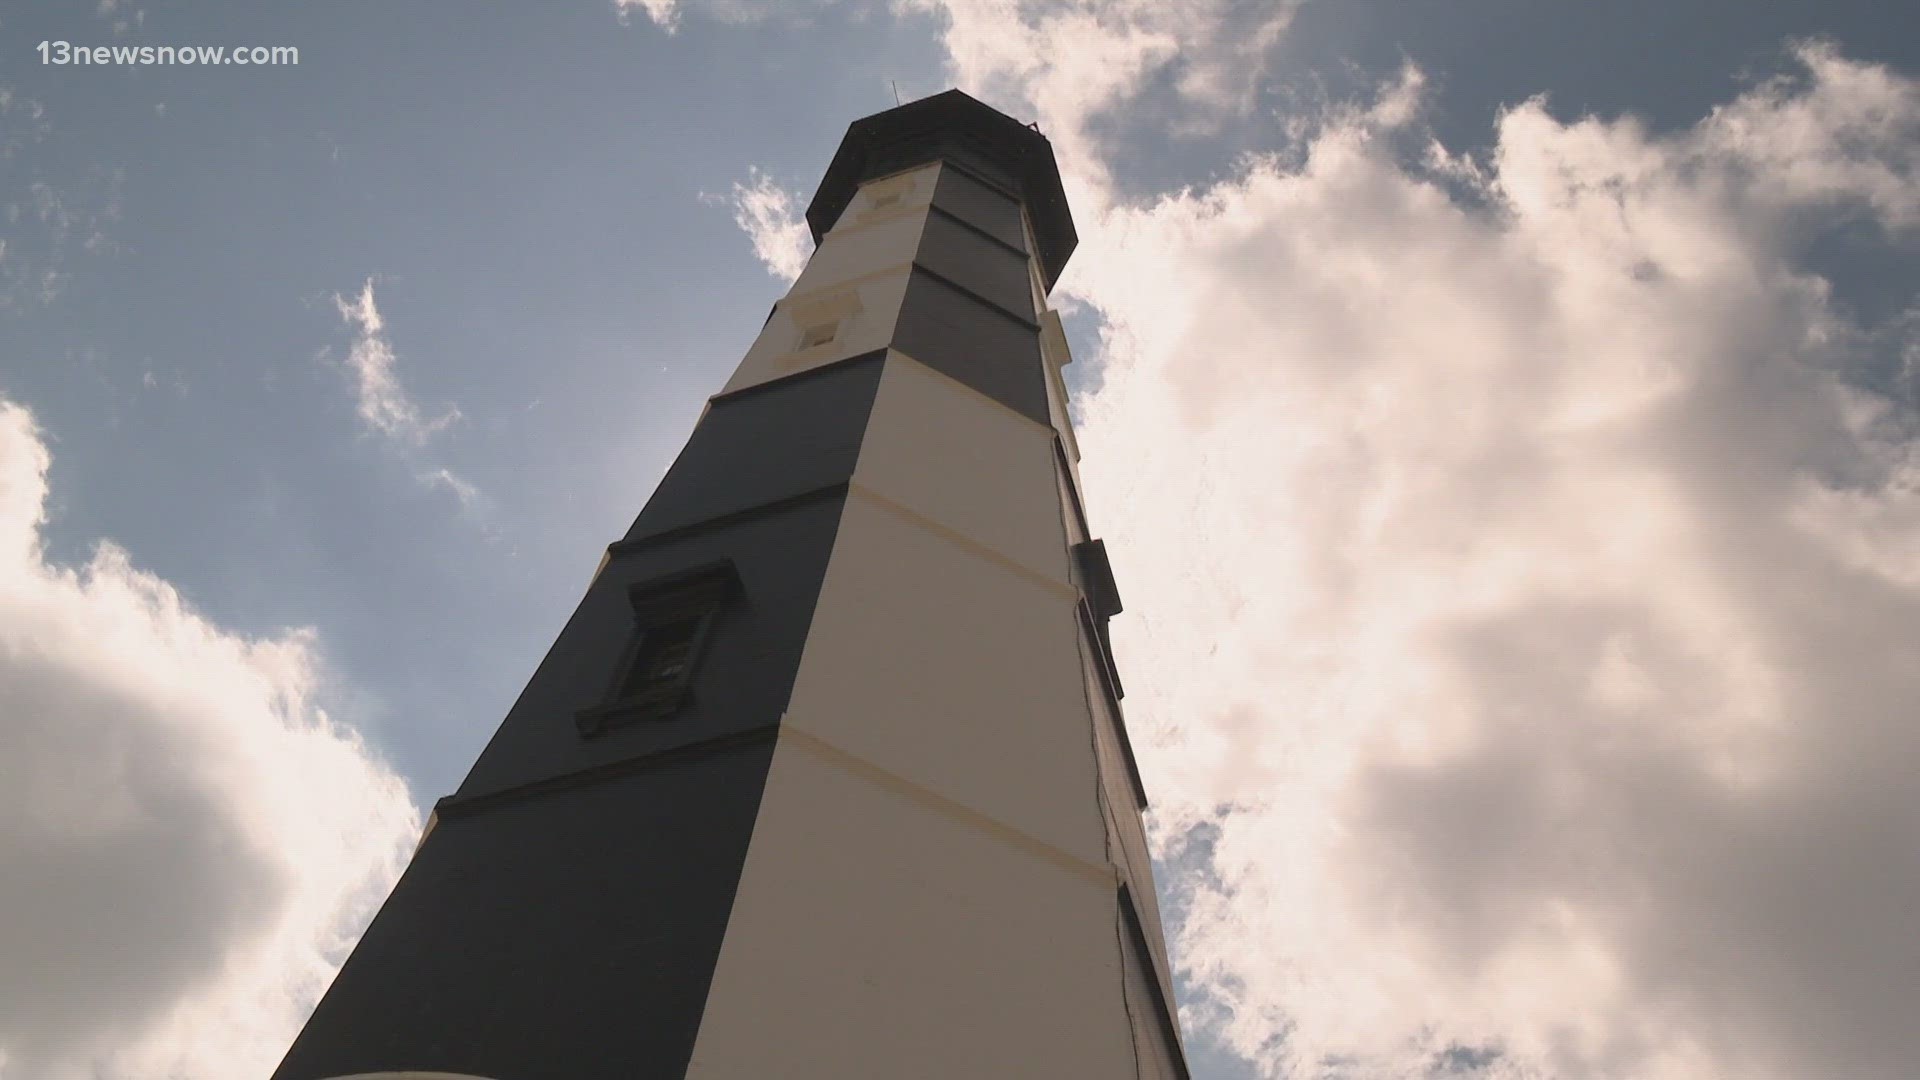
{"points": [[190, 844], [1536, 671], [1521, 591]]}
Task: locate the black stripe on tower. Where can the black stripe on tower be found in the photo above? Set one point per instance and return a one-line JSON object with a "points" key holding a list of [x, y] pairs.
{"points": [[973, 342], [570, 936], [981, 205], [968, 311], [563, 917], [956, 129]]}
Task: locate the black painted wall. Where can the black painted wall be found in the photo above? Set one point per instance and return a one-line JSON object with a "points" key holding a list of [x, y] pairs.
{"points": [[565, 936], [981, 206], [563, 918], [767, 442], [973, 342]]}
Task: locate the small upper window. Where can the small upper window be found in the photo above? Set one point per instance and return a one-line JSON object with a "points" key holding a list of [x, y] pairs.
{"points": [[673, 619], [819, 335]]}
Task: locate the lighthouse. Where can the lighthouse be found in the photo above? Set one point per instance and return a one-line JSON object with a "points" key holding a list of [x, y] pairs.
{"points": [[827, 776]]}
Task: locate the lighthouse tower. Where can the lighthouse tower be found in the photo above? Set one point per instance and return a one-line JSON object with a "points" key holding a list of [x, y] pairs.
{"points": [[826, 778]]}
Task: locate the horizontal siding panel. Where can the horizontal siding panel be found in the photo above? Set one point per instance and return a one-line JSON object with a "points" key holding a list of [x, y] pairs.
{"points": [[974, 343]]}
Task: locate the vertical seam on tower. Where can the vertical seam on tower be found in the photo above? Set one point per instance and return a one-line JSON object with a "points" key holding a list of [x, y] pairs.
{"points": [[1109, 825], [1126, 1006], [1107, 837]]}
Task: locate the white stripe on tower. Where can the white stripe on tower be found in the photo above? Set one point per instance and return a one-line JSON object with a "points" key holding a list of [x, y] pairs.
{"points": [[931, 889]]}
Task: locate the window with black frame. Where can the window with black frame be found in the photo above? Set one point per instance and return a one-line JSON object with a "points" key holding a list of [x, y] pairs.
{"points": [[673, 619]]}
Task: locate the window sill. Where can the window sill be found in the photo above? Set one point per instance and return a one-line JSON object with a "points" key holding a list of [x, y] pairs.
{"points": [[597, 719]]}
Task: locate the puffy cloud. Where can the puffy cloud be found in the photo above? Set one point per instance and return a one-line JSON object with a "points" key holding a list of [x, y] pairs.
{"points": [[776, 224], [1856, 139], [190, 843], [1068, 63]]}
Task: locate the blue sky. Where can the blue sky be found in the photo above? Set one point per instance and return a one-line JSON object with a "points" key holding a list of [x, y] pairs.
{"points": [[1448, 438], [528, 202]]}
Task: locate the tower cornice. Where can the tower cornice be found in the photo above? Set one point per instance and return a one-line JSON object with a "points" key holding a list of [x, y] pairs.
{"points": [[957, 129]]}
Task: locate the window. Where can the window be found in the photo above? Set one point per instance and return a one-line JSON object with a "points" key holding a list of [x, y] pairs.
{"points": [[818, 335], [1096, 578], [821, 315], [673, 619], [663, 657]]}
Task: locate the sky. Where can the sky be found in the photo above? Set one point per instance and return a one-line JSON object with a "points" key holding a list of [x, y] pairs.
{"points": [[1501, 415]]}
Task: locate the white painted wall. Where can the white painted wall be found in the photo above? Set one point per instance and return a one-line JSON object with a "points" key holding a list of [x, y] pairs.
{"points": [[860, 268], [956, 671], [776, 353], [877, 934], [967, 462]]}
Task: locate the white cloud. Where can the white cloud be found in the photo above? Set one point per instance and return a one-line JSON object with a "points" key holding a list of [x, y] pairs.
{"points": [[383, 402], [190, 843], [775, 222], [663, 13], [667, 14], [468, 494], [1066, 62], [1858, 139]]}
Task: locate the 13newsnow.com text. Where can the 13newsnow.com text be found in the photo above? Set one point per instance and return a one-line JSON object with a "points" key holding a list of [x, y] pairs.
{"points": [[67, 53]]}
